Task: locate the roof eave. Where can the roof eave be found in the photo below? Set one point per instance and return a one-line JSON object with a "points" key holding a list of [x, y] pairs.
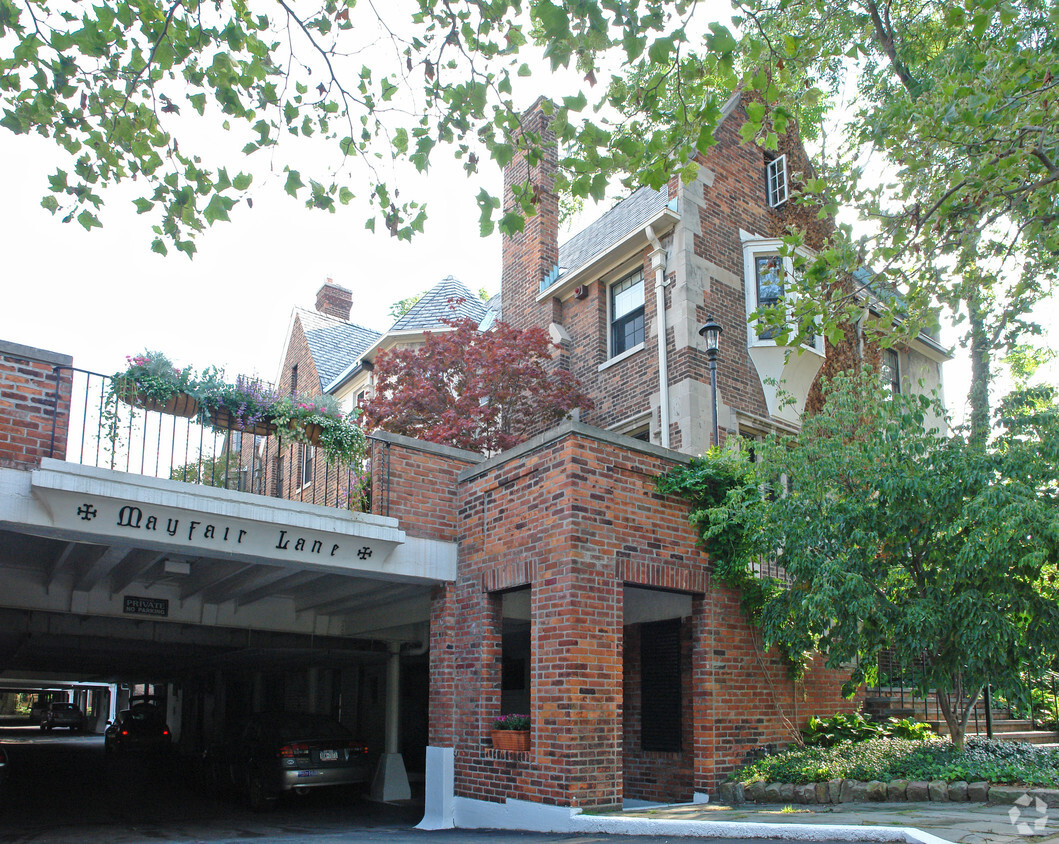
{"points": [[603, 261]]}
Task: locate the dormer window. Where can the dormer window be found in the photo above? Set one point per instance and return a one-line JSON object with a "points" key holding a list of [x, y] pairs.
{"points": [[776, 181]]}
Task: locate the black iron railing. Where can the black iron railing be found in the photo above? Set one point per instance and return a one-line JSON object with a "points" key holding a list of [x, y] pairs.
{"points": [[108, 432]]}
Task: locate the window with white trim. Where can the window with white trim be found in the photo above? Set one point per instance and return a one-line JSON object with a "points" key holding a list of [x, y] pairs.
{"points": [[776, 181], [767, 277], [627, 313], [768, 286]]}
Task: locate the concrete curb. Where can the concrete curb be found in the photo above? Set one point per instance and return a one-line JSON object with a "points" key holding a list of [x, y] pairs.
{"points": [[734, 829], [535, 817]]}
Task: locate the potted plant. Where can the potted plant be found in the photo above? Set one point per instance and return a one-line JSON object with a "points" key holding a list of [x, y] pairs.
{"points": [[318, 421], [246, 405], [511, 732], [152, 382]]}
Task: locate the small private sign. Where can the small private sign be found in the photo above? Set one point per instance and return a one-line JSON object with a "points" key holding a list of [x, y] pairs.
{"points": [[146, 606]]}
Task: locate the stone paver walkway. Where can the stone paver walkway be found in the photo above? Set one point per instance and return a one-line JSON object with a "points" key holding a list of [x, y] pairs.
{"points": [[966, 823]]}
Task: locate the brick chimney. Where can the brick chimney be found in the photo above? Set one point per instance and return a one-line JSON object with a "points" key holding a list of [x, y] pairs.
{"points": [[529, 255], [335, 301]]}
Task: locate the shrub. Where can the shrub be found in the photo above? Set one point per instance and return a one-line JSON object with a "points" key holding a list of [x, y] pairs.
{"points": [[887, 759]]}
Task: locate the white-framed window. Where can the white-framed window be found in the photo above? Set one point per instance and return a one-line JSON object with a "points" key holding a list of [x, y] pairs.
{"points": [[767, 275], [776, 181], [890, 370], [626, 305]]}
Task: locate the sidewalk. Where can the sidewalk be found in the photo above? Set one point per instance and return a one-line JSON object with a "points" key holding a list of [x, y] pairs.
{"points": [[966, 823]]}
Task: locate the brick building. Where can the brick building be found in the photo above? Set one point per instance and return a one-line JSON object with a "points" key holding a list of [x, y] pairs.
{"points": [[550, 579], [581, 597]]}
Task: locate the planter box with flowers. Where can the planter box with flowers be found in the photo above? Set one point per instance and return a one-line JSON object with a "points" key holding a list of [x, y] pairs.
{"points": [[511, 732], [151, 381]]}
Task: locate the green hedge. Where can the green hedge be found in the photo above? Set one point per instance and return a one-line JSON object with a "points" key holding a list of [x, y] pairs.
{"points": [[888, 759]]}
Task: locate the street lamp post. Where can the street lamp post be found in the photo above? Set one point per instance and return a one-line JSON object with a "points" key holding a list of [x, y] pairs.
{"points": [[711, 333]]}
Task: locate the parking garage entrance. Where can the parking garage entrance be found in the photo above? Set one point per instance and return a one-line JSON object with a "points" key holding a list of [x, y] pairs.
{"points": [[224, 602]]}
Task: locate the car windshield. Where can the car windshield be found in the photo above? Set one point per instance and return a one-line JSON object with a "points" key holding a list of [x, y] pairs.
{"points": [[64, 706]]}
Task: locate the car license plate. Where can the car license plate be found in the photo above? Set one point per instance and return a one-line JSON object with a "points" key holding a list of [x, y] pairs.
{"points": [[328, 755], [307, 773]]}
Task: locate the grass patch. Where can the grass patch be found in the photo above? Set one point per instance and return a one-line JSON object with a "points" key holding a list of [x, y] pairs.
{"points": [[888, 759]]}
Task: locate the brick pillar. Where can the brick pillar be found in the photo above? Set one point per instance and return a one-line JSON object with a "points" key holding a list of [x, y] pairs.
{"points": [[702, 697], [577, 682], [442, 667], [28, 384], [530, 255]]}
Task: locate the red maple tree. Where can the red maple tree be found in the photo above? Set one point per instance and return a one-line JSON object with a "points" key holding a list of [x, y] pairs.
{"points": [[480, 391]]}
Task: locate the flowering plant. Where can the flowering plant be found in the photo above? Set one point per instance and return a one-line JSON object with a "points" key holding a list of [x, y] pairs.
{"points": [[151, 376], [247, 401], [512, 722], [336, 433]]}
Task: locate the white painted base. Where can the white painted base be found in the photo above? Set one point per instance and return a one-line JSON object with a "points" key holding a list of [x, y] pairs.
{"points": [[699, 797], [539, 817], [440, 789], [391, 779]]}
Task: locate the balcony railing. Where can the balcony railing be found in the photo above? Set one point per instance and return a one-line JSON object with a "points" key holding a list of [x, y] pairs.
{"points": [[109, 433]]}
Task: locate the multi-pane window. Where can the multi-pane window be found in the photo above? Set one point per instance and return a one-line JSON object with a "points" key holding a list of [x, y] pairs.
{"points": [[891, 370], [776, 181], [769, 272], [626, 313]]}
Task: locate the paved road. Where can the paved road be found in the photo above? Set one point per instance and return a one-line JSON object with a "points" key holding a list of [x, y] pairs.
{"points": [[63, 789]]}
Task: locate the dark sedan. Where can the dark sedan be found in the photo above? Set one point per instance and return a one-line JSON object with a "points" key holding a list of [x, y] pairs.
{"points": [[63, 714], [274, 753], [139, 729]]}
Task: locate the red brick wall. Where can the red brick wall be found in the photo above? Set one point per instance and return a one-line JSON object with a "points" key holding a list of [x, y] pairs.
{"points": [[529, 255], [415, 482], [28, 383], [574, 514]]}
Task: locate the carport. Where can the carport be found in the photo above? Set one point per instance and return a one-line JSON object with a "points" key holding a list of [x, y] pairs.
{"points": [[231, 601]]}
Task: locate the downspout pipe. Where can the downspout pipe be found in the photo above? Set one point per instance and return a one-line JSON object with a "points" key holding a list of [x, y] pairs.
{"points": [[658, 264]]}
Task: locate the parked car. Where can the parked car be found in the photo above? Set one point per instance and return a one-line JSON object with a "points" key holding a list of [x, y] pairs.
{"points": [[274, 753], [63, 714], [139, 729]]}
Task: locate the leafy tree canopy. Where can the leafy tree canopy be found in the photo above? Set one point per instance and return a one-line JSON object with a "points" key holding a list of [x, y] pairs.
{"points": [[896, 540], [481, 391], [122, 85]]}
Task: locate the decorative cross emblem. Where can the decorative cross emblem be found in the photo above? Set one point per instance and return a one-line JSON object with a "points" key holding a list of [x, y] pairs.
{"points": [[87, 512], [364, 553]]}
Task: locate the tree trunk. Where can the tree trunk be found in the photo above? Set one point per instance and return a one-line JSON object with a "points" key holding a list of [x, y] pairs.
{"points": [[957, 718], [978, 395]]}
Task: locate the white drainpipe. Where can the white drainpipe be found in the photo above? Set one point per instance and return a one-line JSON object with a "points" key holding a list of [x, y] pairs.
{"points": [[658, 264]]}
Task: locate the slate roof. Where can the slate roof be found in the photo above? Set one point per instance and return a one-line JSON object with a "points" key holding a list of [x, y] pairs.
{"points": [[623, 219], [438, 303], [493, 313], [333, 343]]}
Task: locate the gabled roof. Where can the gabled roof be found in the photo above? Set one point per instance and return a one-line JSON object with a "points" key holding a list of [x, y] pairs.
{"points": [[449, 299], [625, 217], [333, 343]]}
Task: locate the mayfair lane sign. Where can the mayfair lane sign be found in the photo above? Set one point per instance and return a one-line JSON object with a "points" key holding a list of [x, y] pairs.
{"points": [[165, 515]]}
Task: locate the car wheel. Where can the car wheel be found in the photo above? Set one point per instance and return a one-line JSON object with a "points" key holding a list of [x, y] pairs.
{"points": [[260, 800]]}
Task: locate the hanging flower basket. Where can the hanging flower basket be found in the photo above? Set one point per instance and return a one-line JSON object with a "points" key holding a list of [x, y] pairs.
{"points": [[178, 404], [516, 740], [223, 420]]}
